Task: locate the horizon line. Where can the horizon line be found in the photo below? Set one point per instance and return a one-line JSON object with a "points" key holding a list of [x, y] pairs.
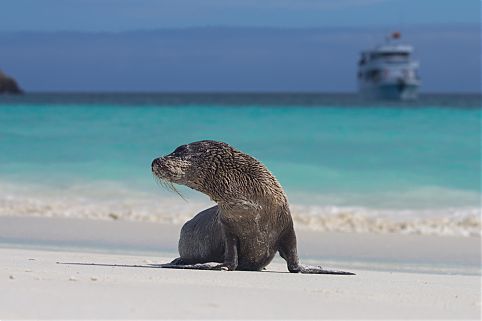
{"points": [[223, 92], [246, 27]]}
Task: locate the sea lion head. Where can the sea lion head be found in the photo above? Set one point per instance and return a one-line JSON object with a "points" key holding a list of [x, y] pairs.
{"points": [[216, 169], [185, 165]]}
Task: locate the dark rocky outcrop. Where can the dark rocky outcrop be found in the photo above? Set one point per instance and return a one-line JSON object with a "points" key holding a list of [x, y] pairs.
{"points": [[8, 85]]}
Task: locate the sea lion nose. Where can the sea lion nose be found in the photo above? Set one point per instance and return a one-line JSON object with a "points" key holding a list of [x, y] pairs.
{"points": [[158, 164], [155, 164]]}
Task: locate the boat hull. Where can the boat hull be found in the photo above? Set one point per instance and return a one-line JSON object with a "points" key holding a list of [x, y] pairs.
{"points": [[390, 92]]}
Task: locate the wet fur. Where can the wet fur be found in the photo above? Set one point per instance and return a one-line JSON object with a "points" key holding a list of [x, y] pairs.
{"points": [[252, 219]]}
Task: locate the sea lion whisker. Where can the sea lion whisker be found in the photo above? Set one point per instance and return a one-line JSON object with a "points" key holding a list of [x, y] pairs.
{"points": [[174, 189], [168, 186]]}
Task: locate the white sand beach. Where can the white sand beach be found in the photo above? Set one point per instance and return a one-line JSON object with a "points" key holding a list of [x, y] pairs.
{"points": [[109, 270]]}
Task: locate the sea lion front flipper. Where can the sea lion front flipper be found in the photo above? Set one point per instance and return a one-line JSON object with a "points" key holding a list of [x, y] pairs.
{"points": [[312, 269], [213, 266], [178, 261]]}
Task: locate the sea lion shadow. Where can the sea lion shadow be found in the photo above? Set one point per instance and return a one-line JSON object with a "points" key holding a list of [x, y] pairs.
{"points": [[200, 267], [111, 264]]}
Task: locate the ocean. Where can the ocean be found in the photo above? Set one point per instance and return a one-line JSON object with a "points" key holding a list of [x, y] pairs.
{"points": [[345, 164]]}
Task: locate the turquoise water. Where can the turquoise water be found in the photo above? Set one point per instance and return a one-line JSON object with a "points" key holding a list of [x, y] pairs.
{"points": [[326, 151]]}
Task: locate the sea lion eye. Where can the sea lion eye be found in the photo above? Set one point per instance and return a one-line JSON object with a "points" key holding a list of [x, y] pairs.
{"points": [[180, 150]]}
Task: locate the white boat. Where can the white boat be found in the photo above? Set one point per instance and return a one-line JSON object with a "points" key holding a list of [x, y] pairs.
{"points": [[388, 71]]}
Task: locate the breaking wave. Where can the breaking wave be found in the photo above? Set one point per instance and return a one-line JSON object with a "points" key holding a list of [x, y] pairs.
{"points": [[110, 202]]}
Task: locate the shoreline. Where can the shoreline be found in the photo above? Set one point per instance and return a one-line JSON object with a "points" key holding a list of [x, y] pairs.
{"points": [[370, 251]]}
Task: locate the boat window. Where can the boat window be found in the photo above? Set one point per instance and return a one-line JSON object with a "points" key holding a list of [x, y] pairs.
{"points": [[390, 55], [373, 74]]}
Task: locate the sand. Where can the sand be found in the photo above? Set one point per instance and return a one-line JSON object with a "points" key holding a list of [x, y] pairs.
{"points": [[120, 281]]}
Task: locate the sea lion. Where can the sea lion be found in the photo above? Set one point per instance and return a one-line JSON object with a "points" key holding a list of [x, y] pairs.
{"points": [[249, 224]]}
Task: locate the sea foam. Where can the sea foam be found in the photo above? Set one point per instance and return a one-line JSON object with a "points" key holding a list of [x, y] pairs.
{"points": [[108, 201]]}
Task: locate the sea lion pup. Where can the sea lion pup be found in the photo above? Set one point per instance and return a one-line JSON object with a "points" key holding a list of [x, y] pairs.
{"points": [[252, 219]]}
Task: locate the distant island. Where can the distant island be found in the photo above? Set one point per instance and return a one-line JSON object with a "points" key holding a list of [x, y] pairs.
{"points": [[8, 85]]}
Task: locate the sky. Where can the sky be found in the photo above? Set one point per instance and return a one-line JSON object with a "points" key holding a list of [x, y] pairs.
{"points": [[230, 45], [123, 15]]}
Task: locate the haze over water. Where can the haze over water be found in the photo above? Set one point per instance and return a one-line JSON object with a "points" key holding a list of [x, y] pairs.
{"points": [[90, 155]]}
